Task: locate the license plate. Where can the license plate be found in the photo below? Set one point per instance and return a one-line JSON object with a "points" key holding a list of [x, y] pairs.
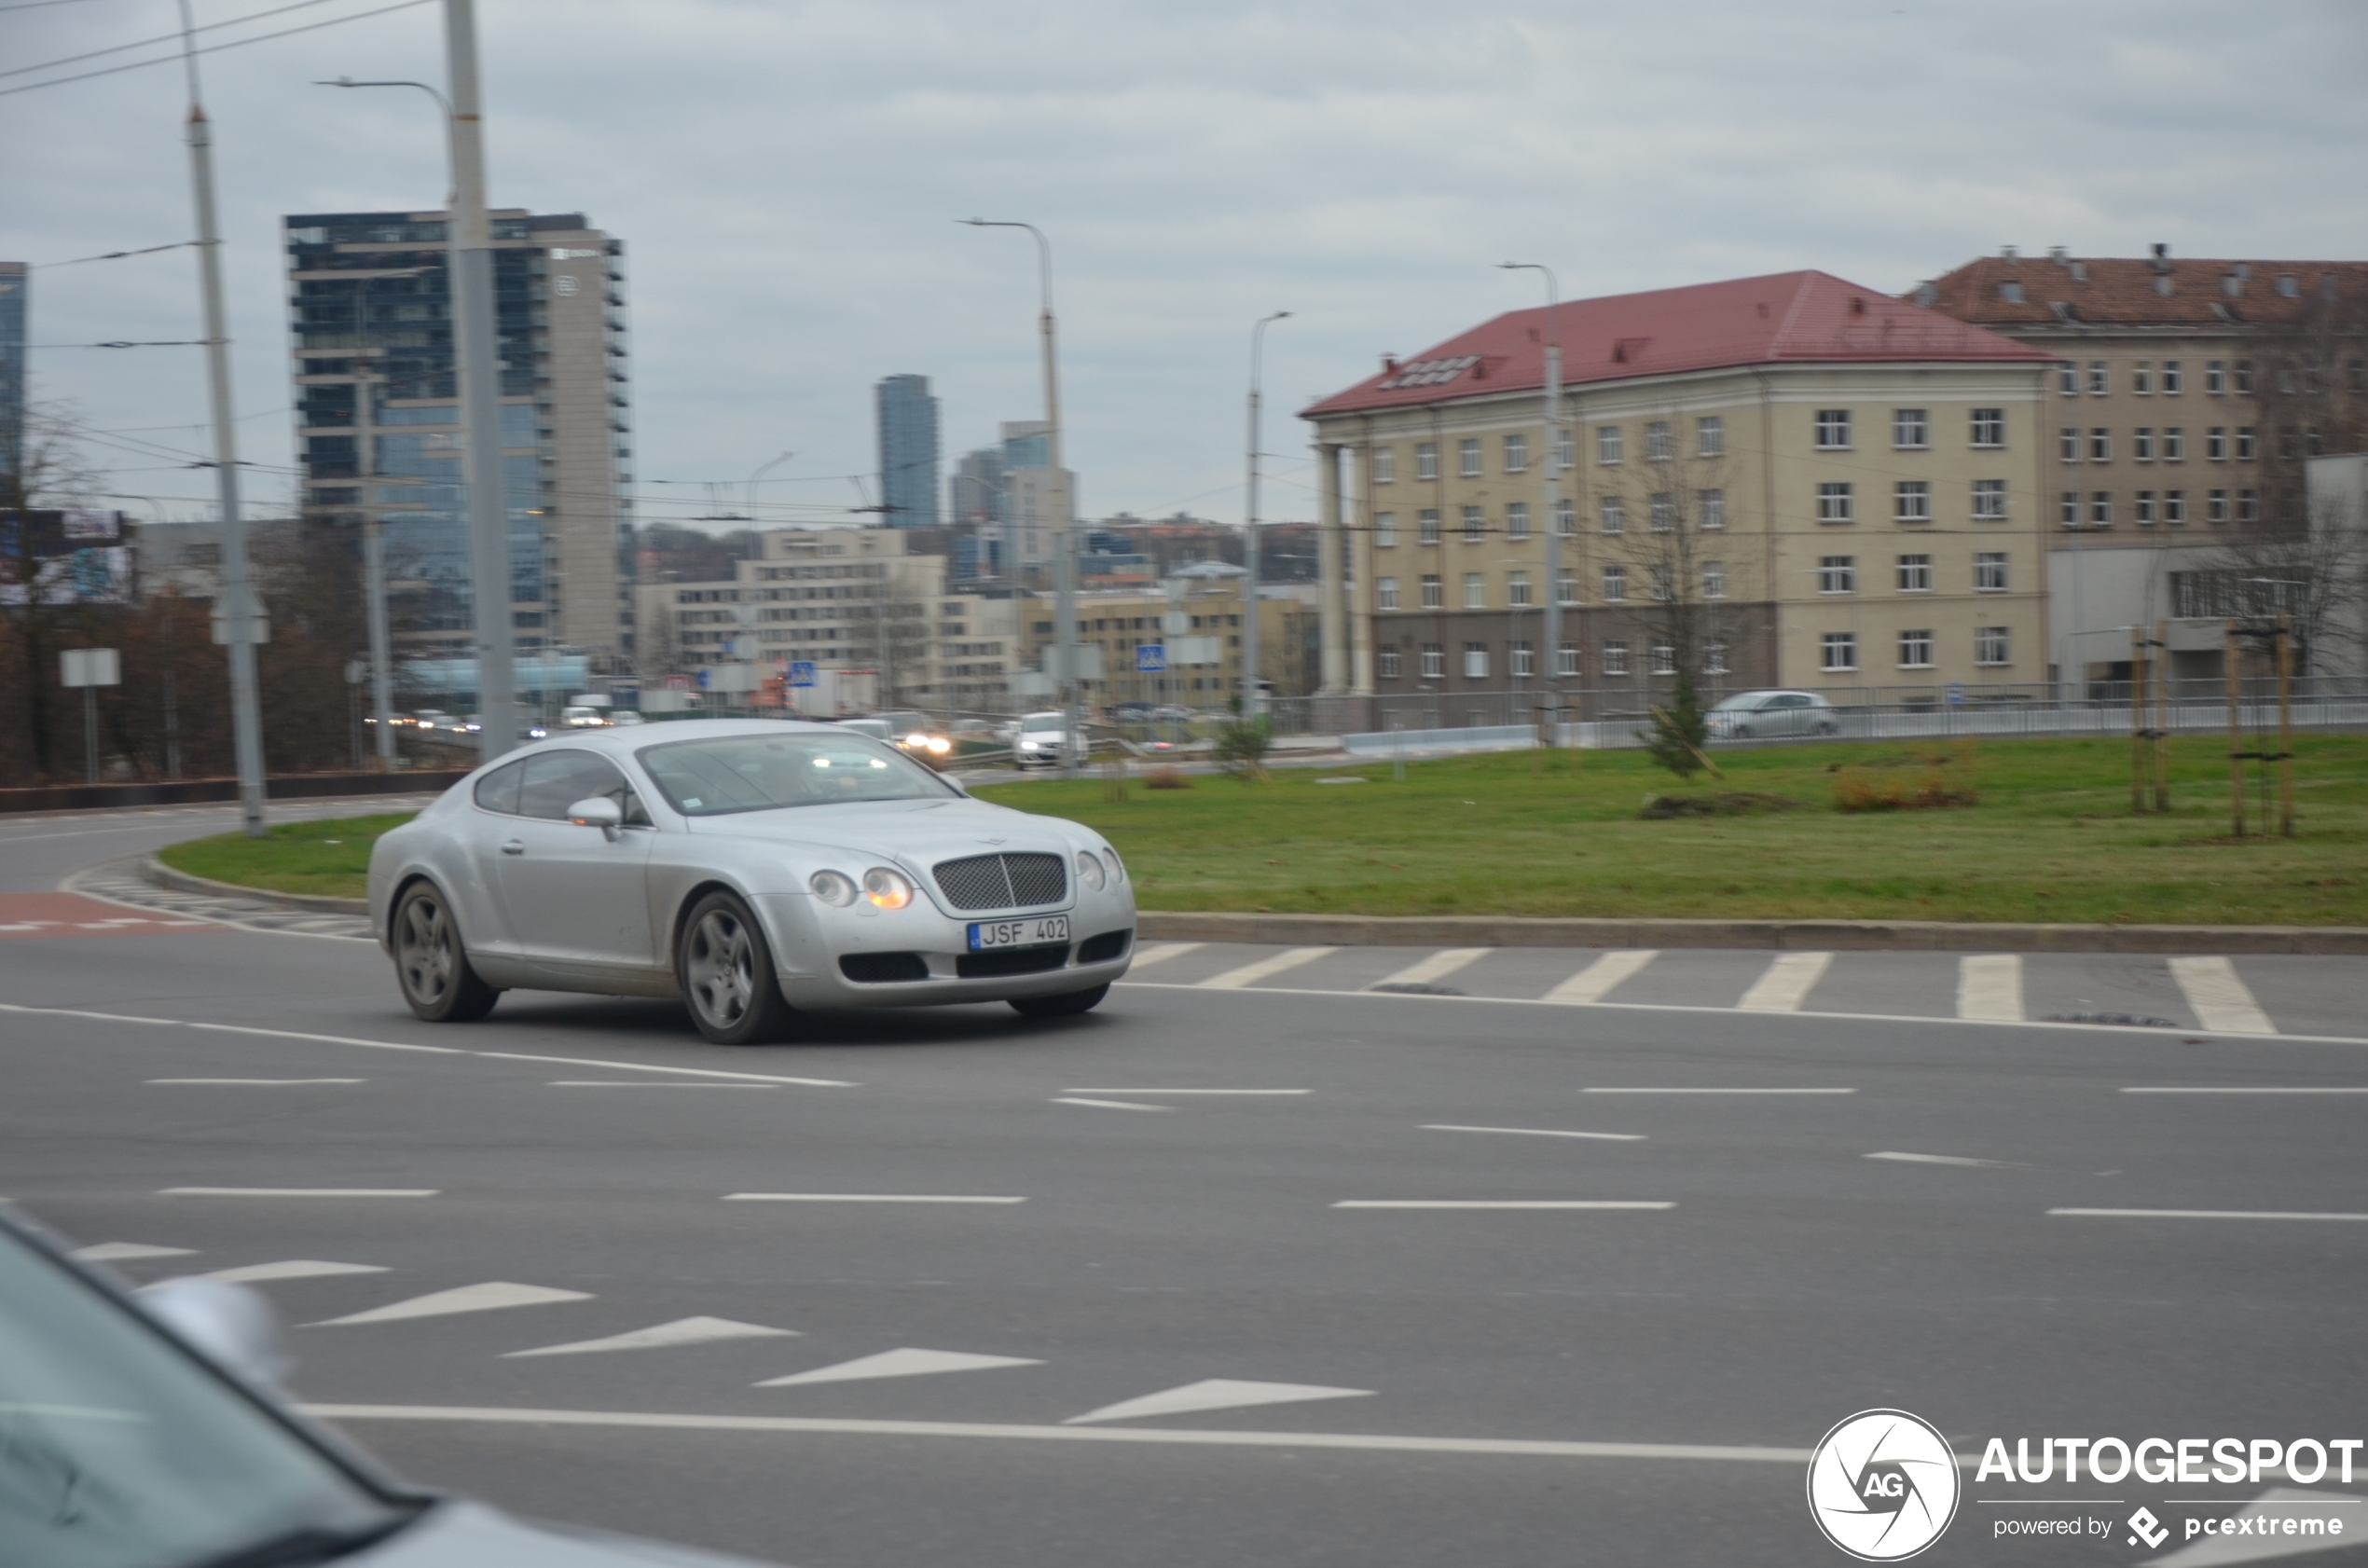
{"points": [[1018, 933]]}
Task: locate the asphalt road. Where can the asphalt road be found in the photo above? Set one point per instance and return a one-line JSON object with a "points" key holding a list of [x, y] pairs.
{"points": [[1486, 1385]]}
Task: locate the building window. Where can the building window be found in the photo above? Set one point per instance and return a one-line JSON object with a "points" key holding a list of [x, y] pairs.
{"points": [[1427, 460], [2175, 509], [1837, 574], [1656, 441], [1517, 590], [2246, 511], [1389, 664], [2174, 444], [1714, 578], [1385, 530], [1832, 430], [1475, 525], [1613, 512], [1911, 502], [1427, 525], [2216, 506], [2141, 508], [1566, 658], [1566, 588], [1517, 520], [2100, 383], [1434, 597], [2244, 443], [1566, 517], [1916, 650], [1908, 429], [1562, 456], [1434, 661], [1661, 584], [2171, 378], [1475, 591], [1840, 649], [1384, 464], [1467, 457], [2142, 378], [2069, 444], [1989, 571], [2215, 377], [2068, 379], [1386, 592], [1710, 436], [1614, 658], [2244, 378], [1474, 661], [2216, 444], [1990, 426], [1915, 574], [2141, 444], [1990, 501], [1607, 444], [2101, 509], [1715, 659], [1833, 501], [1662, 513], [1664, 658], [2100, 446], [1516, 454], [1712, 507], [1992, 645], [1615, 584], [1522, 660]]}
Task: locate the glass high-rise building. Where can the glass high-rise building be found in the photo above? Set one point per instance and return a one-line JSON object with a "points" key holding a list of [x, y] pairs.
{"points": [[372, 307], [15, 278], [907, 416]]}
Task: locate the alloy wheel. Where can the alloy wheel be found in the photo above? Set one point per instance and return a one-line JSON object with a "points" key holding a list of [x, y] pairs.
{"points": [[721, 969]]}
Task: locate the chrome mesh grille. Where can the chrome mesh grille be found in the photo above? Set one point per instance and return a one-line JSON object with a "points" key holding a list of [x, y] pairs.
{"points": [[1036, 879], [1002, 880]]}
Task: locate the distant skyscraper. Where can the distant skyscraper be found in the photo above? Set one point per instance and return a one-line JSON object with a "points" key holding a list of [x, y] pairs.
{"points": [[370, 295], [908, 451], [14, 280], [1030, 527]]}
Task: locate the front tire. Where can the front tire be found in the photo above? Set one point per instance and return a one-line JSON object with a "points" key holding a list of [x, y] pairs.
{"points": [[1066, 1005], [727, 972], [430, 965]]}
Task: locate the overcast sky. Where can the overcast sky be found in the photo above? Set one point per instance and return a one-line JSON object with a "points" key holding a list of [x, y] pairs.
{"points": [[785, 176]]}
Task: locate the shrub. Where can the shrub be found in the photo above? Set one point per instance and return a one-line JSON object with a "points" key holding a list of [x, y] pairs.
{"points": [[1166, 778], [1908, 780]]}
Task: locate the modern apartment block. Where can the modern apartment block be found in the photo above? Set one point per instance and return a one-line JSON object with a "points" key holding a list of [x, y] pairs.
{"points": [[371, 307], [906, 414], [2188, 399], [1788, 481], [15, 280]]}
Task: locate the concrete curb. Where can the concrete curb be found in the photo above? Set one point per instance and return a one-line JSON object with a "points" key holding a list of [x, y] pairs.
{"points": [[157, 873], [1481, 931]]}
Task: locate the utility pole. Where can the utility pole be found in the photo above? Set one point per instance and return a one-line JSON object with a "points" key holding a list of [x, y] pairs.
{"points": [[477, 351], [1253, 692], [239, 617], [1551, 628], [374, 550]]}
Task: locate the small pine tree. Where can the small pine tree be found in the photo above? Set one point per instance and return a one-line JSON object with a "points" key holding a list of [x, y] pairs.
{"points": [[1678, 732]]}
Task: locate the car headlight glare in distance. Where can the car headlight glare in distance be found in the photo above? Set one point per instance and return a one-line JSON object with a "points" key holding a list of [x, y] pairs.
{"points": [[1118, 867], [939, 746], [832, 888], [1089, 870], [1028, 746], [886, 889]]}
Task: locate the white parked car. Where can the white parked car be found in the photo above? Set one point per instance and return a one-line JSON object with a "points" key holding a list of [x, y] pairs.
{"points": [[1036, 742], [753, 868], [1762, 715]]}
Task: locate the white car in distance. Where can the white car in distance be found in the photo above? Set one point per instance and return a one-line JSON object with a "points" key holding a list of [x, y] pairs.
{"points": [[1038, 742], [756, 869]]}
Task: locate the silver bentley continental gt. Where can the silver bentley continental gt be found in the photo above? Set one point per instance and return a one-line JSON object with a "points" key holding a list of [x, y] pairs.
{"points": [[753, 868]]}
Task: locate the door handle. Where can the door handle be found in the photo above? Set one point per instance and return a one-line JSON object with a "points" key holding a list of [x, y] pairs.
{"points": [[514, 846]]}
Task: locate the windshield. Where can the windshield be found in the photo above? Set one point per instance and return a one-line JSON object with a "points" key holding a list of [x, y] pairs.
{"points": [[766, 772], [118, 1450], [1749, 699]]}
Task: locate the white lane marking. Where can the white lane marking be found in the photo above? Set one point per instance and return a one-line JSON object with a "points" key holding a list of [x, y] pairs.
{"points": [[1439, 966], [2198, 1214], [1786, 984], [1596, 980], [2222, 1002], [254, 1082], [1164, 952], [905, 1363], [649, 1067], [1719, 1091], [125, 1251], [1103, 1105], [297, 1191], [1989, 987], [612, 1083], [304, 1035], [295, 1268], [1215, 1394], [1495, 1203], [1190, 1437], [2312, 1089], [493, 1296], [1939, 1159], [859, 1198], [1187, 1090], [1251, 974], [682, 1331], [1535, 1131]]}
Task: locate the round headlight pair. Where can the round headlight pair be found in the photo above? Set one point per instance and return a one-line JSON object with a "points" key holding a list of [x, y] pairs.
{"points": [[885, 889], [1089, 870]]}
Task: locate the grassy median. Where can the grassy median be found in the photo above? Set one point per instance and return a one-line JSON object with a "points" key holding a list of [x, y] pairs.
{"points": [[2049, 836]]}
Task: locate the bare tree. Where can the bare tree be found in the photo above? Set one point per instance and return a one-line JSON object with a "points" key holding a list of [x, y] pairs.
{"points": [[2316, 574], [1674, 557], [2310, 386]]}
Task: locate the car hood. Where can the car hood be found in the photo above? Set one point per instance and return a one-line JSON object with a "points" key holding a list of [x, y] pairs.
{"points": [[461, 1534], [920, 833]]}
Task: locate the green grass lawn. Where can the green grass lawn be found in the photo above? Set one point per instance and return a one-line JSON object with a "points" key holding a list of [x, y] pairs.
{"points": [[2052, 838]]}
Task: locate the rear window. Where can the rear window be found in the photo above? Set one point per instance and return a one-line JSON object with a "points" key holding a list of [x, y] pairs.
{"points": [[768, 773]]}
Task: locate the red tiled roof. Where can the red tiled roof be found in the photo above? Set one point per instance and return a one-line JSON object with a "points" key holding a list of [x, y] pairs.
{"points": [[1794, 318], [2121, 291]]}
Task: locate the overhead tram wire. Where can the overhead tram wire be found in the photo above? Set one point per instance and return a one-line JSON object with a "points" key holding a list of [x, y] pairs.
{"points": [[168, 38], [113, 255], [176, 58]]}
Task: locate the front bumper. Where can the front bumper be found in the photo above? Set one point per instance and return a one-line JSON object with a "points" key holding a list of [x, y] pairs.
{"points": [[809, 939]]}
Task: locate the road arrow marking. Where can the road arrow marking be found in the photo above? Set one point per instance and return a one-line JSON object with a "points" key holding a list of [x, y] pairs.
{"points": [[1215, 1394]]}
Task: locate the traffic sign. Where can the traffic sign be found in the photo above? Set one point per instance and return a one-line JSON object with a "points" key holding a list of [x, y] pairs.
{"points": [[1956, 695], [801, 672], [1150, 658]]}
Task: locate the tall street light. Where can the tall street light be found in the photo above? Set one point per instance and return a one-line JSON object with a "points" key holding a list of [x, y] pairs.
{"points": [[1254, 694], [1554, 455], [1056, 489]]}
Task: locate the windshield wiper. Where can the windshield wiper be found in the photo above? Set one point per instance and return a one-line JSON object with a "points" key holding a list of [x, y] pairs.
{"points": [[311, 1543]]}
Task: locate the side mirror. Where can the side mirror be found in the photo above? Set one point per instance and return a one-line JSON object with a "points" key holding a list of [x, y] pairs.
{"points": [[230, 1324], [598, 812]]}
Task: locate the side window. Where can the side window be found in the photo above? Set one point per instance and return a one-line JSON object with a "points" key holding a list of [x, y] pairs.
{"points": [[498, 790], [555, 780]]}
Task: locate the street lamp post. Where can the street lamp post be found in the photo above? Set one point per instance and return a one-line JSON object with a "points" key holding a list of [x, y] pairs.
{"points": [[1254, 692], [1553, 631]]}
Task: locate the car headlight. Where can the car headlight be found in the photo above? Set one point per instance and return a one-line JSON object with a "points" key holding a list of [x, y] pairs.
{"points": [[886, 889], [939, 746], [1089, 870], [1118, 867], [1028, 746], [917, 739], [832, 888]]}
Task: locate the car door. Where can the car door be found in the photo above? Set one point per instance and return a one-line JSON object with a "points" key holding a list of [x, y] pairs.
{"points": [[570, 895], [1788, 714]]}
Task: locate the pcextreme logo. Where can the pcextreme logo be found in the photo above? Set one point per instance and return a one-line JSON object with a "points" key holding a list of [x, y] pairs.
{"points": [[1883, 1485]]}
